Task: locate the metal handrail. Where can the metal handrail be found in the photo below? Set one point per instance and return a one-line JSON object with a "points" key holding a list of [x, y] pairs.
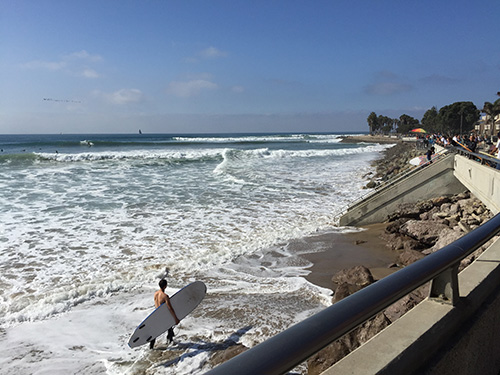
{"points": [[483, 158], [291, 347]]}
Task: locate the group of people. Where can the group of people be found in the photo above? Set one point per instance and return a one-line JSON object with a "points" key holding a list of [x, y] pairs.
{"points": [[472, 142]]}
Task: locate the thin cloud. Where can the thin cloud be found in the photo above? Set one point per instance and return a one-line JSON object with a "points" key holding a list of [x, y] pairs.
{"points": [[212, 53], [83, 55], [387, 88], [45, 65], [190, 88], [73, 64], [436, 79], [387, 83], [121, 97], [89, 73], [237, 89]]}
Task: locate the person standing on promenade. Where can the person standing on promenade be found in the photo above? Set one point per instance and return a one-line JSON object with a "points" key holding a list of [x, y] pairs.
{"points": [[160, 298], [430, 152]]}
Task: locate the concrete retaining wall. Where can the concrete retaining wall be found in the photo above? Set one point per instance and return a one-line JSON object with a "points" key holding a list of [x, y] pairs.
{"points": [[431, 181], [435, 337], [483, 181]]}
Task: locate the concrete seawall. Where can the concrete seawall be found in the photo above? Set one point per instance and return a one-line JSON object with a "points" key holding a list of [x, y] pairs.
{"points": [[436, 337], [482, 181], [428, 182]]}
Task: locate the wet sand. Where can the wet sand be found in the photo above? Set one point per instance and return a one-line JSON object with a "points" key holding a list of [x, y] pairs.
{"points": [[346, 250]]}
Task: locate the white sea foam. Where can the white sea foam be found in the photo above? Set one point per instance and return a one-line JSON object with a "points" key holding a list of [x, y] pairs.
{"points": [[172, 156], [84, 240], [263, 138]]}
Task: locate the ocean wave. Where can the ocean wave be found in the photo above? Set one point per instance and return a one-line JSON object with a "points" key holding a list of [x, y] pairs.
{"points": [[168, 156], [15, 159], [261, 138], [235, 159], [282, 153]]}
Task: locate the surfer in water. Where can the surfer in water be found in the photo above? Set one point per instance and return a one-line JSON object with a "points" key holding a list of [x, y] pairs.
{"points": [[160, 298]]}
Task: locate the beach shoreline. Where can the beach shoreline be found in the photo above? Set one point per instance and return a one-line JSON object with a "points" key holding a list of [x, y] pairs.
{"points": [[346, 250]]}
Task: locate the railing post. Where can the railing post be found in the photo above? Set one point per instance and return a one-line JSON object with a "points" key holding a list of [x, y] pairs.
{"points": [[445, 286]]}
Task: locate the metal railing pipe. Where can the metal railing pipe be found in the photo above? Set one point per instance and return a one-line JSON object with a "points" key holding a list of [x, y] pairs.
{"points": [[291, 347]]}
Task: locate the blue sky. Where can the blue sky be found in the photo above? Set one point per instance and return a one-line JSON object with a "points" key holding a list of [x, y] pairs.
{"points": [[239, 66]]}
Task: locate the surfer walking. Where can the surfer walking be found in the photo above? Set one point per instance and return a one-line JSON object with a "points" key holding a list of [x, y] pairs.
{"points": [[160, 298]]}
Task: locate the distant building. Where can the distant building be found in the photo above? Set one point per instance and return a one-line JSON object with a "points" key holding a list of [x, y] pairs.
{"points": [[483, 126]]}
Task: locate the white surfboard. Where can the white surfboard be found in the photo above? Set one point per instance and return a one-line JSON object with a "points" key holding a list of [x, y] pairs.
{"points": [[183, 302], [420, 160]]}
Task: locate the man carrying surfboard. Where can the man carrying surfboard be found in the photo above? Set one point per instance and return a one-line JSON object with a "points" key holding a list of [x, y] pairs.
{"points": [[160, 298]]}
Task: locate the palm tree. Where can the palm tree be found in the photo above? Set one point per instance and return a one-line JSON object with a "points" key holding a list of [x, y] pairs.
{"points": [[372, 122]]}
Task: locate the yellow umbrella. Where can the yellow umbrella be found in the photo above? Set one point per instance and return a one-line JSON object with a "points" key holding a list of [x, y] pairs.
{"points": [[418, 130]]}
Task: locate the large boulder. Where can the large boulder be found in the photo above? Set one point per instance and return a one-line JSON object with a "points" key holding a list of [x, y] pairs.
{"points": [[359, 275], [226, 354], [446, 238], [344, 290], [406, 210], [334, 352], [426, 232], [401, 307], [326, 357], [409, 256]]}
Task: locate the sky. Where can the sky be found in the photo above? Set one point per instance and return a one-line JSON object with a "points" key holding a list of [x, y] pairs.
{"points": [[199, 66]]}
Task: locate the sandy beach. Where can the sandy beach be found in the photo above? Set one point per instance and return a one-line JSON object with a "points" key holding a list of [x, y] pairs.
{"points": [[346, 250]]}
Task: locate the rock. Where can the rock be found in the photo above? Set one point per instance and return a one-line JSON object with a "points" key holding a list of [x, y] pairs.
{"points": [[409, 256], [370, 185], [440, 200], [334, 352], [408, 210], [454, 209], [477, 218], [344, 290], [371, 328], [394, 241], [464, 227], [425, 205], [439, 215], [426, 232], [444, 240], [225, 355], [358, 275], [412, 244], [326, 357], [401, 307], [394, 226], [445, 209]]}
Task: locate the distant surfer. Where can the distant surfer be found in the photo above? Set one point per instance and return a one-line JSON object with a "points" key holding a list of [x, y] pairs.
{"points": [[160, 298]]}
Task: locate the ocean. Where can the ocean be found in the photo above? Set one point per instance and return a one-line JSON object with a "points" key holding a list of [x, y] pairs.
{"points": [[90, 223]]}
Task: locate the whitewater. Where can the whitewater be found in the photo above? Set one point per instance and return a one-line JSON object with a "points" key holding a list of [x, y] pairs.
{"points": [[89, 224]]}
